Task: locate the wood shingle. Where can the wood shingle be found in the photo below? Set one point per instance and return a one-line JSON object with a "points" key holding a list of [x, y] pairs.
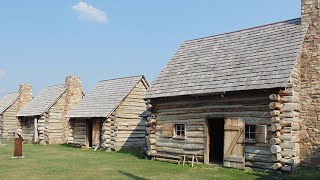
{"points": [[258, 58], [104, 98], [7, 100], [41, 103]]}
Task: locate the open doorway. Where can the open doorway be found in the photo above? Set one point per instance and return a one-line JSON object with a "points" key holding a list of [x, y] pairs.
{"points": [[93, 132], [215, 141]]}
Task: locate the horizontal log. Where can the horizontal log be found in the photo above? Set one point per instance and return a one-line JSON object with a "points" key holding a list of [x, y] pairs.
{"points": [[277, 157], [261, 165], [289, 137], [275, 141], [181, 146], [289, 115], [257, 150], [275, 113], [287, 99], [289, 145], [275, 97], [275, 105], [291, 162], [151, 152], [275, 119], [152, 141], [286, 168], [276, 166], [289, 107], [286, 92], [258, 157], [276, 134], [289, 153], [176, 151], [275, 149], [275, 127]]}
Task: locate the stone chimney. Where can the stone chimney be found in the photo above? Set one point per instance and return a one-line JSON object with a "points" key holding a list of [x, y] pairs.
{"points": [[310, 12], [73, 93], [25, 92], [309, 65]]}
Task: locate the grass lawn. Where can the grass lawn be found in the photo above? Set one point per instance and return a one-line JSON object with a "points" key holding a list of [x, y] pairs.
{"points": [[62, 162]]}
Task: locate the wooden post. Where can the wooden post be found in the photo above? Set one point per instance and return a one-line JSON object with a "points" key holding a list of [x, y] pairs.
{"points": [[35, 136]]}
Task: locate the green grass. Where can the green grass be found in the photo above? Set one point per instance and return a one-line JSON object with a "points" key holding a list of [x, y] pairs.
{"points": [[62, 162]]}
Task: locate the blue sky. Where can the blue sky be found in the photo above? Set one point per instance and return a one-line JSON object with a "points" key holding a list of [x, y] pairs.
{"points": [[41, 42]]}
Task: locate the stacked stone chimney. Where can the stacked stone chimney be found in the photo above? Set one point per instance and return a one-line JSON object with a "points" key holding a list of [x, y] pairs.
{"points": [[310, 83], [72, 96], [25, 92], [74, 91], [309, 12]]}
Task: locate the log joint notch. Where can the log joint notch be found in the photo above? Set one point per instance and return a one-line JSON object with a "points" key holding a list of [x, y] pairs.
{"points": [[285, 110]]}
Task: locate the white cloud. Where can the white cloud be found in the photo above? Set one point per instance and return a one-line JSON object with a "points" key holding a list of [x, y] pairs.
{"points": [[2, 73], [88, 12]]}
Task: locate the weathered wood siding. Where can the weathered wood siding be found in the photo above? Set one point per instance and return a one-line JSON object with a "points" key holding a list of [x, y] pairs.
{"points": [[27, 131], [251, 106], [78, 130], [57, 122], [9, 121], [130, 129]]}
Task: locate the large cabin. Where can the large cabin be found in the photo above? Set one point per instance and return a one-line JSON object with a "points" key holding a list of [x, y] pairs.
{"points": [[43, 119], [107, 118], [245, 99]]}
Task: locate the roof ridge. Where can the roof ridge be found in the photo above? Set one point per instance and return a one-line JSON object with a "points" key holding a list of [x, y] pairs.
{"points": [[11, 93], [121, 78], [255, 27], [55, 85]]}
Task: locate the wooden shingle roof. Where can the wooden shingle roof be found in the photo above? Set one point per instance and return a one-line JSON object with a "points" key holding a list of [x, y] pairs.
{"points": [[7, 100], [43, 102], [105, 97], [258, 58]]}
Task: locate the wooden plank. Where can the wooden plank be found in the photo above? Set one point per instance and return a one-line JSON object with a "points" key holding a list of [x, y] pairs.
{"points": [[234, 140]]}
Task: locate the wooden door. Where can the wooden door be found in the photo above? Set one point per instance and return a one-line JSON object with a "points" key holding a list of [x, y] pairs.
{"points": [[234, 143], [95, 132]]}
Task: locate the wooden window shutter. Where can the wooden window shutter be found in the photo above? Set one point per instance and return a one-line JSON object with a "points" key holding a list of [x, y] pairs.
{"points": [[167, 130], [261, 133]]}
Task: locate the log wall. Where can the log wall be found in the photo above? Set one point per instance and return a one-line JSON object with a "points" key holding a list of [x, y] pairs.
{"points": [[27, 131], [251, 106], [122, 129], [57, 122], [77, 128], [128, 126], [9, 121], [286, 124]]}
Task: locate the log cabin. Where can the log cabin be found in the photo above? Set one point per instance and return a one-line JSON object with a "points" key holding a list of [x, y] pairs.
{"points": [[107, 118], [245, 99], [10, 104], [42, 120]]}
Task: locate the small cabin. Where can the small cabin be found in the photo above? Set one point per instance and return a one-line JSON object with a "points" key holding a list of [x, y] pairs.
{"points": [[43, 119], [9, 106], [245, 99], [108, 116]]}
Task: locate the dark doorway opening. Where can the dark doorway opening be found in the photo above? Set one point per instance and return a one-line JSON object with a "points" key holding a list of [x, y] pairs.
{"points": [[89, 133], [93, 132], [216, 140]]}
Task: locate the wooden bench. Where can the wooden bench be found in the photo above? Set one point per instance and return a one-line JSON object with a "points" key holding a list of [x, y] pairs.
{"points": [[167, 158], [194, 156]]}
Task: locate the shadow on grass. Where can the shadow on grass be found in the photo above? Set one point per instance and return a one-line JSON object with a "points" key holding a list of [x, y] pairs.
{"points": [[132, 176], [299, 173], [138, 153]]}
